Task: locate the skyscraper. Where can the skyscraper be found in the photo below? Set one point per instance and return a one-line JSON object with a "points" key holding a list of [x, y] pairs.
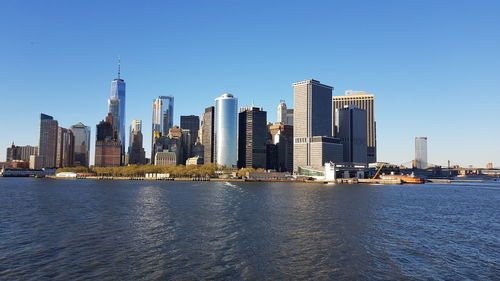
{"points": [[135, 125], [364, 101], [289, 116], [163, 118], [108, 148], [351, 129], [252, 138], [47, 143], [281, 112], [82, 144], [226, 130], [421, 152], [207, 134], [312, 126], [118, 92], [137, 155], [191, 123], [114, 109], [65, 152], [282, 138], [285, 115]]}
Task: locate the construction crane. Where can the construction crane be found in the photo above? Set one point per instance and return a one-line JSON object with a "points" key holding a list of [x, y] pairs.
{"points": [[378, 171]]}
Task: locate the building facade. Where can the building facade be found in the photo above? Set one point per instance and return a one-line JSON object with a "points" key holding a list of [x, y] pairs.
{"points": [[118, 92], [23, 153], [108, 148], [366, 102], [47, 144], [137, 155], [421, 153], [281, 110], [226, 130], [163, 118], [281, 136], [285, 115], [82, 144], [289, 116], [65, 153], [312, 125], [351, 126], [207, 134], [192, 123], [166, 158], [252, 138]]}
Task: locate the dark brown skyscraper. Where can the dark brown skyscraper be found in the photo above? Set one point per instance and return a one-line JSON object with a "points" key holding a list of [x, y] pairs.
{"points": [[65, 153], [47, 144], [252, 138], [108, 147], [207, 134]]}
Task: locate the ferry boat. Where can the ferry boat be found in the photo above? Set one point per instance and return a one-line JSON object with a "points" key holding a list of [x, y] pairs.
{"points": [[404, 178]]}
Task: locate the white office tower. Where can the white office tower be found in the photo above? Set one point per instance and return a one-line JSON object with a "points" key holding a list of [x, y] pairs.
{"points": [[226, 130], [281, 112]]}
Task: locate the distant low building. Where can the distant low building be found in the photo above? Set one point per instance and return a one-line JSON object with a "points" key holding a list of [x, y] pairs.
{"points": [[36, 162], [268, 175], [20, 164], [165, 158], [15, 152], [194, 161]]}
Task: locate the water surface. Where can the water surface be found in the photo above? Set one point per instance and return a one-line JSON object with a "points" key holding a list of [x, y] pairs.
{"points": [[141, 230]]}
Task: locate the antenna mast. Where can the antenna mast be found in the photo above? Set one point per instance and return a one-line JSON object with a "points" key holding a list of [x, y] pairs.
{"points": [[119, 60]]}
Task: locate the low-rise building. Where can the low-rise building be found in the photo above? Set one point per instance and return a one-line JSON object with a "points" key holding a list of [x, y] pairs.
{"points": [[197, 160], [165, 158]]}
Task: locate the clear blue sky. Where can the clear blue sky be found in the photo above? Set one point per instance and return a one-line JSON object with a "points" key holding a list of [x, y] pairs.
{"points": [[434, 66]]}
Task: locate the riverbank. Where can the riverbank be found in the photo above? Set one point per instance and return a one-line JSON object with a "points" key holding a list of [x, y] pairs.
{"points": [[339, 180]]}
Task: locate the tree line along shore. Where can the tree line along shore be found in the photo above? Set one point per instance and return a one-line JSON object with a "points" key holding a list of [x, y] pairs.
{"points": [[179, 171]]}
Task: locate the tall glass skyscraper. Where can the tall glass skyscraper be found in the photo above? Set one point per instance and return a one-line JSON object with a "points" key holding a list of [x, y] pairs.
{"points": [[421, 153], [82, 144], [226, 130], [163, 118], [47, 144], [118, 92], [114, 109]]}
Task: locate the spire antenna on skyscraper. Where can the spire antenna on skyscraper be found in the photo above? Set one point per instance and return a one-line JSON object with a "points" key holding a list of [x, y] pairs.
{"points": [[119, 60]]}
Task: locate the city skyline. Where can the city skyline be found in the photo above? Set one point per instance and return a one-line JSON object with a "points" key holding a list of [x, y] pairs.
{"points": [[420, 87]]}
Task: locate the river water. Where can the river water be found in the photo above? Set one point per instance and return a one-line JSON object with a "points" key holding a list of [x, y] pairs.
{"points": [[140, 230]]}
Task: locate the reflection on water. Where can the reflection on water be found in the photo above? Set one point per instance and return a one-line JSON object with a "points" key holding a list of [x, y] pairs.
{"points": [[75, 229]]}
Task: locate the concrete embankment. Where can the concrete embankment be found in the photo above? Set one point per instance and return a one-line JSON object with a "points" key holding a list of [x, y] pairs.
{"points": [[450, 180], [339, 180]]}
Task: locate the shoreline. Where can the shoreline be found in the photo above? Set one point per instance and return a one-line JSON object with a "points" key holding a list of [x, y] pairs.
{"points": [[339, 180]]}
